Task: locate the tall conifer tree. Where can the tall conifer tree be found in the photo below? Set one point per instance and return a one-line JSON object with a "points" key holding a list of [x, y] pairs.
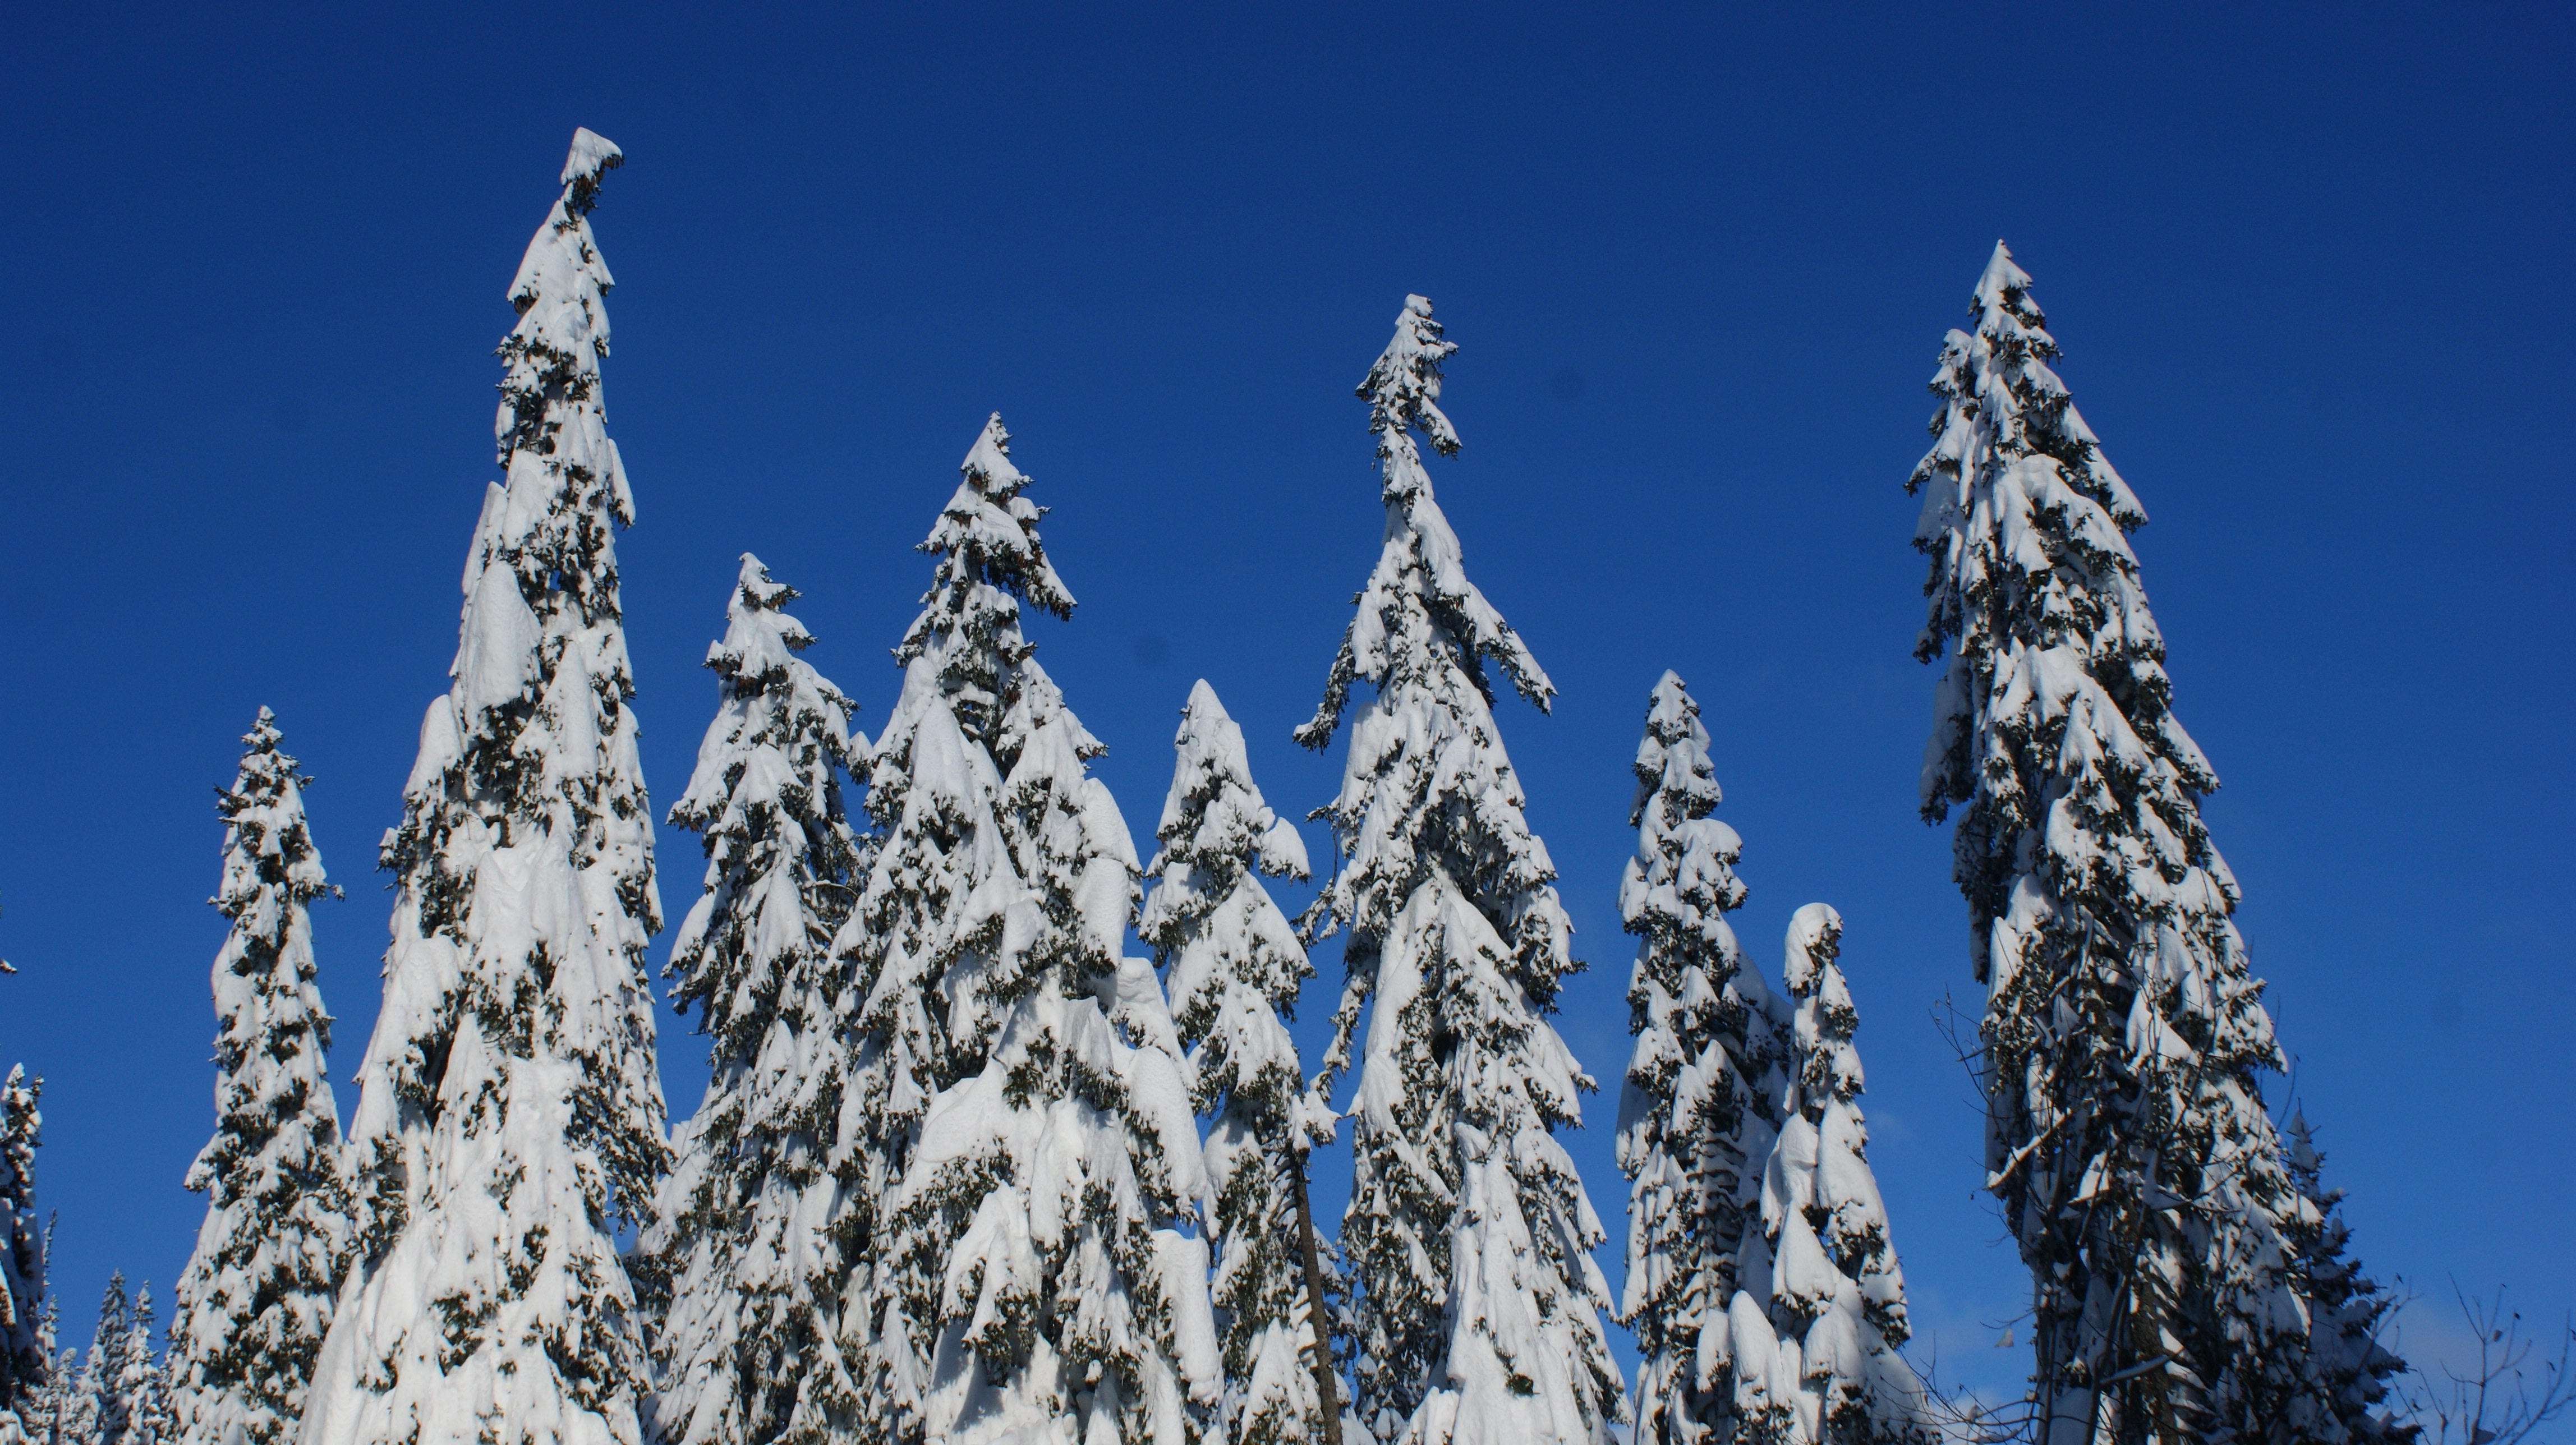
{"points": [[1701, 1104], [2124, 1031], [256, 1299], [1040, 1281], [751, 1350], [510, 1119], [1234, 965], [1477, 1305]]}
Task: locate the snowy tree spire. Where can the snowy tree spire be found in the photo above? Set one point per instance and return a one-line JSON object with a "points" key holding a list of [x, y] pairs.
{"points": [[1468, 1236], [26, 1330], [509, 1116], [256, 1298], [1701, 1103], [1234, 966], [1806, 1347], [1019, 1077], [2124, 1029], [751, 1349]]}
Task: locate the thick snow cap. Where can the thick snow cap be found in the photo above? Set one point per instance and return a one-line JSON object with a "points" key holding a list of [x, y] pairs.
{"points": [[592, 155]]}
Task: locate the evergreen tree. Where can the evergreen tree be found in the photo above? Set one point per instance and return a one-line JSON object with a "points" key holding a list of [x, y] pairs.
{"points": [[750, 1351], [102, 1410], [1044, 1288], [1468, 1235], [1700, 1106], [26, 1319], [45, 1411], [256, 1298], [509, 1118], [1806, 1347], [2347, 1312], [149, 1419], [1234, 966], [2123, 1030]]}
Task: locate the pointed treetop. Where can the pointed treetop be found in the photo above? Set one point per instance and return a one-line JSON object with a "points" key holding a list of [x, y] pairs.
{"points": [[989, 533], [593, 155], [2002, 279], [1233, 819], [1403, 386], [760, 641], [1672, 758]]}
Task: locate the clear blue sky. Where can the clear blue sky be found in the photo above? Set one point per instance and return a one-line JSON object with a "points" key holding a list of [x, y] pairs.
{"points": [[2311, 269]]}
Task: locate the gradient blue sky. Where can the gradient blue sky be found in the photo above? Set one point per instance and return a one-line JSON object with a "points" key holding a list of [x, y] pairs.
{"points": [[2310, 267]]}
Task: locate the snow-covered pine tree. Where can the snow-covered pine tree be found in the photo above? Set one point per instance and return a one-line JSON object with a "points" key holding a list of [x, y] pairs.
{"points": [[45, 1410], [1700, 1105], [1806, 1346], [750, 1350], [2123, 1029], [149, 1419], [509, 1116], [256, 1299], [2347, 1313], [102, 1412], [1044, 1287], [1477, 1306], [1234, 965], [26, 1320]]}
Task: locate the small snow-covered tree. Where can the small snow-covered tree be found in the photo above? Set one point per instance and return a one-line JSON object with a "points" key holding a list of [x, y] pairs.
{"points": [[1044, 1284], [1234, 965], [26, 1319], [102, 1407], [142, 1384], [2275, 1403], [45, 1411], [256, 1299], [1806, 1348], [1700, 1106], [1477, 1306], [2124, 1030], [750, 1350], [509, 1118]]}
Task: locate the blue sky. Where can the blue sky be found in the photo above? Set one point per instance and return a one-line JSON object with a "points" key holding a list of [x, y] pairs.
{"points": [[2310, 268]]}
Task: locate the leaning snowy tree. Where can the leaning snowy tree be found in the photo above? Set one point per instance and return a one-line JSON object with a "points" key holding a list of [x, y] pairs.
{"points": [[255, 1301], [1477, 1306], [1700, 1106], [509, 1118], [1806, 1348], [750, 1350], [1033, 1283], [1234, 965], [2123, 1031]]}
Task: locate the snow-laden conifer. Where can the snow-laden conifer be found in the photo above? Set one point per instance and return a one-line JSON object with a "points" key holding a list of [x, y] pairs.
{"points": [[1234, 965], [26, 1319], [509, 1118], [1806, 1348], [141, 1382], [750, 1350], [2123, 1028], [102, 1407], [2275, 1403], [1031, 1262], [1700, 1105], [1477, 1306], [255, 1301], [45, 1410]]}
